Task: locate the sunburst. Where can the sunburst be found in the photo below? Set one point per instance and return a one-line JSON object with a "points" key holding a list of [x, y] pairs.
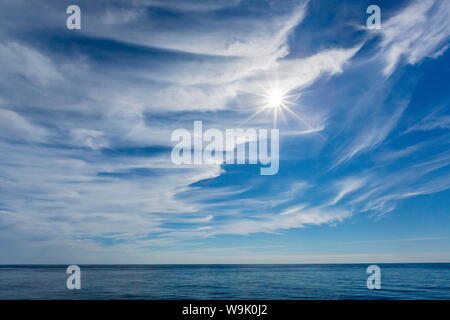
{"points": [[277, 100]]}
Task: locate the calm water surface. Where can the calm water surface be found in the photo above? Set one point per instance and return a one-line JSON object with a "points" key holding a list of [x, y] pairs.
{"points": [[324, 281]]}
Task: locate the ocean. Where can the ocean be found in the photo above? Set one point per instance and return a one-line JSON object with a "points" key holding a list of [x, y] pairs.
{"points": [[279, 282]]}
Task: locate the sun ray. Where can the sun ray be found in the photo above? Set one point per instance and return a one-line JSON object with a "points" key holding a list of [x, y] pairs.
{"points": [[276, 99], [255, 114], [297, 116], [275, 114], [282, 116]]}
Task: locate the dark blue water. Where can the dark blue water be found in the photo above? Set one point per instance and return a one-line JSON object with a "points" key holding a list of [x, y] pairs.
{"points": [[324, 281]]}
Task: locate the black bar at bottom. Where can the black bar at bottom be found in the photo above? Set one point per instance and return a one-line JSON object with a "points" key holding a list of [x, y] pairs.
{"points": [[220, 309]]}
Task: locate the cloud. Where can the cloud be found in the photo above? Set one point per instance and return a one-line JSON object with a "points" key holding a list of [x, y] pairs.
{"points": [[86, 119], [14, 127], [418, 31], [397, 240], [397, 154], [89, 138], [61, 194], [27, 62], [371, 133], [244, 36], [431, 122], [302, 72], [346, 187], [288, 219], [192, 5]]}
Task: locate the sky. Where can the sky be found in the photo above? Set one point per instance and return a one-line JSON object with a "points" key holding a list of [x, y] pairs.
{"points": [[86, 118]]}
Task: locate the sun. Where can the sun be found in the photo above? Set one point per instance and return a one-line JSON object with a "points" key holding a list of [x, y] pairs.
{"points": [[277, 101], [275, 98]]}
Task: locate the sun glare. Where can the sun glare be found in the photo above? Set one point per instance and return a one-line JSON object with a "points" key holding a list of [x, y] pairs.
{"points": [[275, 99]]}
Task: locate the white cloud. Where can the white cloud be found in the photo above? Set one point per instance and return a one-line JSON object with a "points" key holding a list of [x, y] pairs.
{"points": [[25, 61], [291, 74], [90, 138], [193, 5], [66, 193], [371, 133], [288, 219], [418, 31], [229, 36], [346, 187], [431, 122], [13, 126]]}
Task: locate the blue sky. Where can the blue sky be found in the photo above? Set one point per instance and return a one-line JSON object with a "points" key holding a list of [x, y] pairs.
{"points": [[86, 118]]}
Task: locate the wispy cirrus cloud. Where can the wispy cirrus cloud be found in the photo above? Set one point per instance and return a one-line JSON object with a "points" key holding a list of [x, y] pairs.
{"points": [[86, 117], [420, 30]]}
